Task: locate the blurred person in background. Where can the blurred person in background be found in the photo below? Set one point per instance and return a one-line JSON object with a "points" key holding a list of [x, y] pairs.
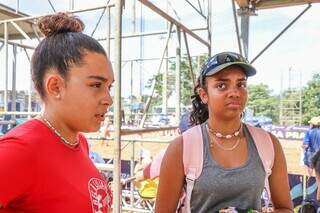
{"points": [[311, 143]]}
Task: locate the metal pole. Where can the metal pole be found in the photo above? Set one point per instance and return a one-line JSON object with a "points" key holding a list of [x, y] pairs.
{"points": [[281, 100], [14, 79], [71, 4], [165, 87], [72, 11], [108, 29], [24, 34], [133, 16], [196, 9], [132, 174], [52, 7], [154, 80], [160, 12], [284, 30], [17, 6], [189, 59], [19, 45], [209, 26], [29, 89], [300, 98], [245, 19], [165, 74], [155, 33], [200, 6], [131, 91], [6, 66], [98, 22], [178, 75], [133, 22], [237, 26], [141, 49], [117, 108]]}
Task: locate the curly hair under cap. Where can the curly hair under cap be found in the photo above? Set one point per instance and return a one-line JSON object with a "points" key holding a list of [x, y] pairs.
{"points": [[200, 112]]}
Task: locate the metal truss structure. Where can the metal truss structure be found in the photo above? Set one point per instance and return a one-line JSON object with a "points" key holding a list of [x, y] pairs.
{"points": [[15, 26]]}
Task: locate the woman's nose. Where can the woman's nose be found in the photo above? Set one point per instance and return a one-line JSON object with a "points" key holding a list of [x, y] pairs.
{"points": [[107, 99], [234, 92]]}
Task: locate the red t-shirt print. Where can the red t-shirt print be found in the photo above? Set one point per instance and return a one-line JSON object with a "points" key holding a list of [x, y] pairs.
{"points": [[100, 195]]}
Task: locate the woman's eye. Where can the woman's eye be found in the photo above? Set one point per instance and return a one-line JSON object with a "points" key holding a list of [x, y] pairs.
{"points": [[221, 86], [243, 85], [96, 85]]}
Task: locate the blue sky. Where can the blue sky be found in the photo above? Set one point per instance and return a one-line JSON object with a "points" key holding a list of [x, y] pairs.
{"points": [[296, 49]]}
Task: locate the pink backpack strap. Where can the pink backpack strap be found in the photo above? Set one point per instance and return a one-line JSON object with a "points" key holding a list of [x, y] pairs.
{"points": [[265, 149], [192, 161], [193, 152]]}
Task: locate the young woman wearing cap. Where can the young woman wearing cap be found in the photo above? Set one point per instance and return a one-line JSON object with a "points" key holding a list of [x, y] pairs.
{"points": [[45, 164], [232, 174]]}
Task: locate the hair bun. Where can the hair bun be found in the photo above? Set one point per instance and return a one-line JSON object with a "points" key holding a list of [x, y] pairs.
{"points": [[60, 23]]}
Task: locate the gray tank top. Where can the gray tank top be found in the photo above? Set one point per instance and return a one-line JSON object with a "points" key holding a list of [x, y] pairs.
{"points": [[218, 188]]}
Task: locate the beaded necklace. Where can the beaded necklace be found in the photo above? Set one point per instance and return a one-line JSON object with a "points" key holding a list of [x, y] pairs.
{"points": [[228, 136], [64, 140]]}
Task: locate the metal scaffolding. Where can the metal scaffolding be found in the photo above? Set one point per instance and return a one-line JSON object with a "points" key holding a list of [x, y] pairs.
{"points": [[22, 26]]}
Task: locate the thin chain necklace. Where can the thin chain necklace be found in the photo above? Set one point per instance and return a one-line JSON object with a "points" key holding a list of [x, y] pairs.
{"points": [[212, 142], [228, 136], [64, 140]]}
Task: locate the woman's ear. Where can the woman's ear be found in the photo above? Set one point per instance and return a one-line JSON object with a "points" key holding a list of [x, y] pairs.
{"points": [[203, 95], [53, 85]]}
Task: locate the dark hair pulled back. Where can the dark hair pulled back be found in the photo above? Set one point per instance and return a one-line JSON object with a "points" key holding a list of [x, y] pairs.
{"points": [[199, 112], [64, 45]]}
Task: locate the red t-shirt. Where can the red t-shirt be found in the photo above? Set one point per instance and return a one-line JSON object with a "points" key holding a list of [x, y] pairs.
{"points": [[39, 173]]}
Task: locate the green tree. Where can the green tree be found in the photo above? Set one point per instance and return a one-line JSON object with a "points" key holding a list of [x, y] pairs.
{"points": [[311, 99], [186, 81], [262, 102]]}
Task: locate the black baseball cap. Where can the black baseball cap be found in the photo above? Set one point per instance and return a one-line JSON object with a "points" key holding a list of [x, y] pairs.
{"points": [[223, 60]]}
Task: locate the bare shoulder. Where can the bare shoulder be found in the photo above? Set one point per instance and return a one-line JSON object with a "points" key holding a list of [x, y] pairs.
{"points": [[172, 163], [278, 180], [276, 143], [176, 145], [171, 177], [174, 151]]}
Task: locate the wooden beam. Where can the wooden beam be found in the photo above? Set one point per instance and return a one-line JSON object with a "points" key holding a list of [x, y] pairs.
{"points": [[242, 3], [270, 4]]}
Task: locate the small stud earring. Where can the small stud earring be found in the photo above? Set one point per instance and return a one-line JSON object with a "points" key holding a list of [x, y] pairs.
{"points": [[58, 96]]}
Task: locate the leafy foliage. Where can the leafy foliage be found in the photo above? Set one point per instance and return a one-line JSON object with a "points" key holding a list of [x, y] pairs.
{"points": [[311, 99], [262, 102], [186, 81]]}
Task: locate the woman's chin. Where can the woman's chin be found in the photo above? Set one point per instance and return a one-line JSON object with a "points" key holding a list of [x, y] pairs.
{"points": [[91, 129]]}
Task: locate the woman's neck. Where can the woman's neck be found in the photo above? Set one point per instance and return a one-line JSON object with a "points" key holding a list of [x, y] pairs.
{"points": [[224, 126], [60, 125]]}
